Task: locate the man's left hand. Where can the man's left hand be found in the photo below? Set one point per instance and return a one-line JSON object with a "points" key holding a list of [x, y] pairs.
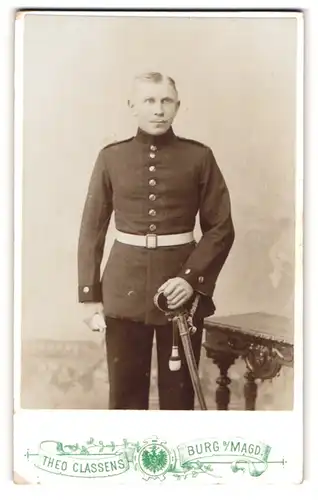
{"points": [[177, 292]]}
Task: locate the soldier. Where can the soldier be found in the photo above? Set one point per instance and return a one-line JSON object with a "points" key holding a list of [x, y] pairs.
{"points": [[156, 183]]}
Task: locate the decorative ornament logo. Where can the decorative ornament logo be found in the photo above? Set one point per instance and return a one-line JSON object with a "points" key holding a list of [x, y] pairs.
{"points": [[155, 459]]}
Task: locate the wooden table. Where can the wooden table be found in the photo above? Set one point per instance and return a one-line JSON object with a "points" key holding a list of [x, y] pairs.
{"points": [[264, 341]]}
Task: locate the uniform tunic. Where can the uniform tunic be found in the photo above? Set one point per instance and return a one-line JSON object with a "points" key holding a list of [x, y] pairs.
{"points": [[154, 185]]}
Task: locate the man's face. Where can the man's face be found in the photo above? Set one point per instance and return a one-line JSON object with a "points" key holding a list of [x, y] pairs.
{"points": [[155, 106]]}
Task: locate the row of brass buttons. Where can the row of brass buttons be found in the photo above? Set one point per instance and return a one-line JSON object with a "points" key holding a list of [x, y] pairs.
{"points": [[152, 182]]}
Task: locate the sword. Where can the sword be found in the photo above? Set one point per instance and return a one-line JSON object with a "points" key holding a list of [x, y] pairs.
{"points": [[180, 323]]}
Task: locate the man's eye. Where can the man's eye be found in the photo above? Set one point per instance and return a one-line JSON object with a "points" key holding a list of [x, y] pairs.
{"points": [[149, 100]]}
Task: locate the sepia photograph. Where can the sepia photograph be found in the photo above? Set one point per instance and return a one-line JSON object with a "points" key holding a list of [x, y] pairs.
{"points": [[158, 200]]}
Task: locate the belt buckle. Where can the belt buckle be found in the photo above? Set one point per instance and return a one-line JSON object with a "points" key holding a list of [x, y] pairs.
{"points": [[151, 240]]}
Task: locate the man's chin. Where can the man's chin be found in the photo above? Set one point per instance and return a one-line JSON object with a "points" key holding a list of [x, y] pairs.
{"points": [[158, 128]]}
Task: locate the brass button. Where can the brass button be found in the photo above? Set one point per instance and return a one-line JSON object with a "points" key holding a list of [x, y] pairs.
{"points": [[152, 182], [152, 212], [153, 148], [152, 197], [152, 155], [152, 168], [152, 227], [187, 271], [86, 289], [200, 279]]}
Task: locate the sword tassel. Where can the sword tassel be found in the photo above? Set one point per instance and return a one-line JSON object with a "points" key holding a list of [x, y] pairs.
{"points": [[174, 360]]}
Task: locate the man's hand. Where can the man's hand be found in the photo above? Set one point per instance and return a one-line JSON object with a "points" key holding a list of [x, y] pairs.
{"points": [[177, 292], [94, 316]]}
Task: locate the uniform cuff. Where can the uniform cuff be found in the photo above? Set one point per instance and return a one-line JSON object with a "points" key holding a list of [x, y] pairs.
{"points": [[198, 282], [192, 277], [90, 293]]}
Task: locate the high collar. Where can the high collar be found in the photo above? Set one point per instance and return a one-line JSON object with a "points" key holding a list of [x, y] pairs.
{"points": [[158, 140]]}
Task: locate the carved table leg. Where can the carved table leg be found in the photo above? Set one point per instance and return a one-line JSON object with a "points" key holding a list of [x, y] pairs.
{"points": [[222, 394], [250, 390]]}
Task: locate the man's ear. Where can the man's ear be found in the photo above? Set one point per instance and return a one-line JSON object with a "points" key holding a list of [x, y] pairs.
{"points": [[177, 107], [131, 106]]}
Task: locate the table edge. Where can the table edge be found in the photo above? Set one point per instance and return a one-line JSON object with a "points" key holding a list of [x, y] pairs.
{"points": [[251, 332]]}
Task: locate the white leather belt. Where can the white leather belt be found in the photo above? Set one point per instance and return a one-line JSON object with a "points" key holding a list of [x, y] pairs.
{"points": [[154, 240]]}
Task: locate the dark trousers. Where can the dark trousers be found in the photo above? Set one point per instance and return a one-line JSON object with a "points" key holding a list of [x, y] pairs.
{"points": [[129, 349]]}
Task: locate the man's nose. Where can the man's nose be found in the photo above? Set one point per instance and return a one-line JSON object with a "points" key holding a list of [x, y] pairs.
{"points": [[158, 109]]}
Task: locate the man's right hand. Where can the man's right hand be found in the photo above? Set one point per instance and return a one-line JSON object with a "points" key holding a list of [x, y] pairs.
{"points": [[94, 316]]}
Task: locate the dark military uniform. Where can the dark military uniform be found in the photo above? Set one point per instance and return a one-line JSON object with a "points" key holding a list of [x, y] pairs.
{"points": [[154, 185]]}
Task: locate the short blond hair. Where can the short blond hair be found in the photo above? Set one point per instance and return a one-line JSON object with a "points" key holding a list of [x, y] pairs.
{"points": [[156, 77]]}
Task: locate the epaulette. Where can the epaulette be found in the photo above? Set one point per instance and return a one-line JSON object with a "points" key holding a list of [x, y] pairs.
{"points": [[192, 141], [116, 143]]}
